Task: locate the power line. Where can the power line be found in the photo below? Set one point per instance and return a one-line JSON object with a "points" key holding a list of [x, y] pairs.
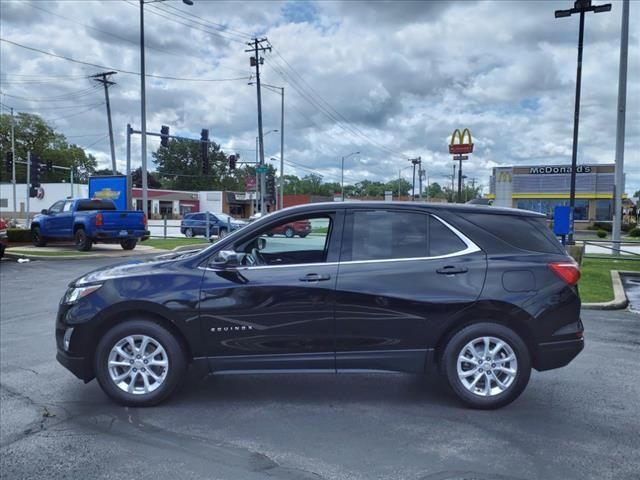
{"points": [[217, 26], [56, 98], [75, 114], [119, 70]]}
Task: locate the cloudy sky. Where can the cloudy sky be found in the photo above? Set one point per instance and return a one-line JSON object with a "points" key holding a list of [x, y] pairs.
{"points": [[389, 79]]}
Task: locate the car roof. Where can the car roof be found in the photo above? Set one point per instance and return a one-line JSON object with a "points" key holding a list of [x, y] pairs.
{"points": [[455, 208]]}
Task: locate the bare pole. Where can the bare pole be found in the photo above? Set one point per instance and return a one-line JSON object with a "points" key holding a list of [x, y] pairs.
{"points": [[13, 168], [28, 187], [620, 127], [143, 114], [128, 168], [282, 151], [102, 78]]}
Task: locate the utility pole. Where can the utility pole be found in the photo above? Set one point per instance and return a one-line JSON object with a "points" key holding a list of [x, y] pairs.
{"points": [[414, 162], [282, 152], [453, 178], [256, 60], [143, 115], [26, 221], [420, 178], [13, 168], [103, 79], [128, 169], [620, 128]]}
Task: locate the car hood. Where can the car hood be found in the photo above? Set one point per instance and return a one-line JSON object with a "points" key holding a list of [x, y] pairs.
{"points": [[134, 268]]}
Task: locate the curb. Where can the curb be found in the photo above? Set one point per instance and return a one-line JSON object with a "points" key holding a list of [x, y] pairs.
{"points": [[620, 300], [72, 256]]}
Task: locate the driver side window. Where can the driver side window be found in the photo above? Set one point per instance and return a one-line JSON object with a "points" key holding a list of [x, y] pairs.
{"points": [[303, 240], [56, 207]]}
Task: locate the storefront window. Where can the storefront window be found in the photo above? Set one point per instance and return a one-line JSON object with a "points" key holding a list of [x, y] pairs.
{"points": [[604, 210], [546, 206]]}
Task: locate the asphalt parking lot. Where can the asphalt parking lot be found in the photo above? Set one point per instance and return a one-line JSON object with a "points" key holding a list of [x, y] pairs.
{"points": [[580, 422]]}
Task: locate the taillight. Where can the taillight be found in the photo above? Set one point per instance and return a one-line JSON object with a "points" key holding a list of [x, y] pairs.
{"points": [[144, 219], [99, 220], [567, 271]]}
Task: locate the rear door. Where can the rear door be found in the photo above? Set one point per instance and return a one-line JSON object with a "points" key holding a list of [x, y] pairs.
{"points": [[402, 274]]}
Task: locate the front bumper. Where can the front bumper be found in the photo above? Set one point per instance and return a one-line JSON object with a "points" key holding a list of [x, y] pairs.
{"points": [[552, 355], [76, 365]]}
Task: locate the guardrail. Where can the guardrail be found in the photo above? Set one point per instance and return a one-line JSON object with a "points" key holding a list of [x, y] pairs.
{"points": [[610, 245]]}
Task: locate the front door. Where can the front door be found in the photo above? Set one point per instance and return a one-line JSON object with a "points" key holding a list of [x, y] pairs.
{"points": [[277, 307], [402, 274]]}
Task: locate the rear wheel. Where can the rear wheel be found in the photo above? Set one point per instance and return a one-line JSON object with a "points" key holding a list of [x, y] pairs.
{"points": [[189, 233], [128, 244], [302, 235], [139, 363], [487, 365], [289, 233], [83, 242], [37, 238], [222, 233]]}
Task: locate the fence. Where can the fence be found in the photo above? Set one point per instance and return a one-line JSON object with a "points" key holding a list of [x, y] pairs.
{"points": [[167, 228]]}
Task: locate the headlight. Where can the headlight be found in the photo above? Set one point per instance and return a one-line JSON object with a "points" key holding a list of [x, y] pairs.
{"points": [[76, 293]]}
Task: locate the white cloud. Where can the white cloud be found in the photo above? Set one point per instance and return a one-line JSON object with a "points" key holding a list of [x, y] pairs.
{"points": [[389, 79]]}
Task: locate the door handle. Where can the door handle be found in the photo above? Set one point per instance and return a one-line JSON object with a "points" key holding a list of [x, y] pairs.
{"points": [[451, 270], [314, 277]]}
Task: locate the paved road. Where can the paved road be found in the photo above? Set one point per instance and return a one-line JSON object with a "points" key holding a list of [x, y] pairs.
{"points": [[581, 422]]}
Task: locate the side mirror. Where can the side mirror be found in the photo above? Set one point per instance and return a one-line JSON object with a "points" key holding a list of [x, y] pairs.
{"points": [[262, 243], [44, 211], [225, 259]]}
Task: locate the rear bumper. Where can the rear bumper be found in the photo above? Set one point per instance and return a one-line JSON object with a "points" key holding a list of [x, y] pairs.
{"points": [[552, 355], [115, 235]]}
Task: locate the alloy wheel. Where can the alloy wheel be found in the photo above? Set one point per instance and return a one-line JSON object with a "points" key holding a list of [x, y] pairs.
{"points": [[487, 366], [138, 364]]}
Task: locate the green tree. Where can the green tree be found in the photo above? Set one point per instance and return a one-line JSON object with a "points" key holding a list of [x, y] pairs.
{"points": [[33, 134], [179, 167]]}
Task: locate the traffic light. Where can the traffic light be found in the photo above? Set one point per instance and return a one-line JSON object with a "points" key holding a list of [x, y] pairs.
{"points": [[8, 165], [204, 150], [49, 165], [35, 171], [164, 136], [271, 185], [232, 161]]}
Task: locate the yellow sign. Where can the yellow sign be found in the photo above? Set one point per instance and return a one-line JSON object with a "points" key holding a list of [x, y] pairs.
{"points": [[503, 177], [461, 147], [107, 193]]}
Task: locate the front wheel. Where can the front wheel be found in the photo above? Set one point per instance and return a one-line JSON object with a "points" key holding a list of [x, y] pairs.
{"points": [[37, 238], [189, 233], [289, 233], [83, 242], [139, 363], [487, 365], [222, 233], [128, 244]]}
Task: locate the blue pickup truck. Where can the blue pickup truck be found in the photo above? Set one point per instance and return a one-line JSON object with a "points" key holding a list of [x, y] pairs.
{"points": [[89, 221]]}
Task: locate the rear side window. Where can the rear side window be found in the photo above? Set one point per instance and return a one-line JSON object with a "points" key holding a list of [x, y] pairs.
{"points": [[442, 241], [95, 204], [523, 232], [383, 234]]}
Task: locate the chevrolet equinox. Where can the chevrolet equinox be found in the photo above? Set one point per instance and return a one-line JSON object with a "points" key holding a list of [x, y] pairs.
{"points": [[483, 294]]}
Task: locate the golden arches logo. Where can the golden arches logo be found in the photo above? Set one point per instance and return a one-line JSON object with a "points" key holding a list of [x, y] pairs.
{"points": [[504, 177], [461, 147]]}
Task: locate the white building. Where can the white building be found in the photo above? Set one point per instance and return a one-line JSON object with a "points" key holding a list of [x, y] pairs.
{"points": [[48, 194]]}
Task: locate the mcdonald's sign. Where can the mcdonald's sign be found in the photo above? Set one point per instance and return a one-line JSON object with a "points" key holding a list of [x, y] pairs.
{"points": [[504, 177], [461, 147]]}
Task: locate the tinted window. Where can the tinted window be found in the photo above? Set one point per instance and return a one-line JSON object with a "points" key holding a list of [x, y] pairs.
{"points": [[95, 204], [56, 207], [526, 233], [383, 234], [442, 241]]}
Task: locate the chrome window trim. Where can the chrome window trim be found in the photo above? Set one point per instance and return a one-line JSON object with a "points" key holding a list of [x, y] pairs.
{"points": [[470, 248]]}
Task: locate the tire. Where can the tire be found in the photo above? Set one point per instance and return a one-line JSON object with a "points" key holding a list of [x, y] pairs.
{"points": [[469, 343], [128, 244], [168, 373], [302, 235], [222, 233], [83, 243], [289, 233], [189, 233], [37, 238], [269, 234]]}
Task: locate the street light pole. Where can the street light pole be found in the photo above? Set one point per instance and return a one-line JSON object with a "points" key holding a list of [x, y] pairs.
{"points": [[580, 6], [143, 106], [342, 173]]}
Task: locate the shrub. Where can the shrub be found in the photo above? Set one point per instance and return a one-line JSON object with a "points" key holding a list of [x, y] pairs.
{"points": [[601, 234], [19, 235], [635, 232], [606, 226]]}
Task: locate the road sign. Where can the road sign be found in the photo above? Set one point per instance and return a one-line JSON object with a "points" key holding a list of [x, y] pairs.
{"points": [[250, 183], [262, 169], [460, 157]]}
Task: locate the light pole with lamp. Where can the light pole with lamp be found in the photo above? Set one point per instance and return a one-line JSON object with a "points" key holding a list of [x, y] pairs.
{"points": [[342, 174], [400, 178], [280, 91], [143, 107], [581, 7]]}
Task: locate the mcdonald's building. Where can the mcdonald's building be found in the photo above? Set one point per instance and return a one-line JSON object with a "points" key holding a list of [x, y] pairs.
{"points": [[541, 187]]}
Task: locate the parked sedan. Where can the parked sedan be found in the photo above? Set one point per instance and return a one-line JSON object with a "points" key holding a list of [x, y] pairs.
{"points": [[483, 294], [220, 224], [302, 228]]}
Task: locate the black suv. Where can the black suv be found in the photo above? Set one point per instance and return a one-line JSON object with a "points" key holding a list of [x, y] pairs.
{"points": [[485, 294]]}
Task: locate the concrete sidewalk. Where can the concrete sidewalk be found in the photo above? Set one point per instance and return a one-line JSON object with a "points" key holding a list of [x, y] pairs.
{"points": [[67, 251]]}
